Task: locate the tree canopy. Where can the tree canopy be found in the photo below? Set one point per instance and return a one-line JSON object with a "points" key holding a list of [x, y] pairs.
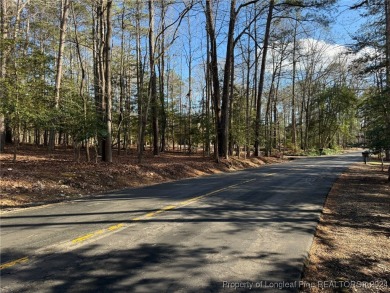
{"points": [[227, 77]]}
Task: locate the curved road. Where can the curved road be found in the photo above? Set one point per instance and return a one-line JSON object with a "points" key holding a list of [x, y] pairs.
{"points": [[243, 231]]}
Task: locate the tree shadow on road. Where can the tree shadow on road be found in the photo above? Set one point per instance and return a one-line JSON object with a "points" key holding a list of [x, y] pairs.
{"points": [[144, 268]]}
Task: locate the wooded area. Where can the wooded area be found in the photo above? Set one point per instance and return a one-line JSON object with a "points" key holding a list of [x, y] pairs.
{"points": [[224, 77]]}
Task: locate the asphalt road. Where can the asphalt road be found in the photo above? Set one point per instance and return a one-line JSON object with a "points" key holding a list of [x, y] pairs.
{"points": [[250, 229]]}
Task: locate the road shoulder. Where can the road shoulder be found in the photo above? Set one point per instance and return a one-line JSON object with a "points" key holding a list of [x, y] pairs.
{"points": [[351, 247]]}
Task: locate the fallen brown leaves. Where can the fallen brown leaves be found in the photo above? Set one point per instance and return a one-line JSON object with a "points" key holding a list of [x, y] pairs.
{"points": [[352, 241], [37, 178]]}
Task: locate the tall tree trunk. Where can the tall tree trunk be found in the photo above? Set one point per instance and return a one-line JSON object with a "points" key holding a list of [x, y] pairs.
{"points": [[100, 61], [276, 122], [387, 92], [223, 151], [61, 46], [141, 116], [121, 80], [215, 79], [82, 83], [387, 14], [162, 102], [101, 75], [208, 97], [301, 124], [293, 118], [262, 74], [161, 63], [96, 85], [267, 118], [153, 80], [189, 94], [107, 77], [307, 120], [230, 141], [143, 106], [17, 121], [3, 68], [169, 94], [247, 97]]}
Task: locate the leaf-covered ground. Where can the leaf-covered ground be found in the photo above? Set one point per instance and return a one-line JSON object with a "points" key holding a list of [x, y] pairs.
{"points": [[351, 249], [37, 177]]}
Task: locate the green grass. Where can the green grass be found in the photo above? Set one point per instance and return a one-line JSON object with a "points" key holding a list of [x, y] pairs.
{"points": [[325, 152]]}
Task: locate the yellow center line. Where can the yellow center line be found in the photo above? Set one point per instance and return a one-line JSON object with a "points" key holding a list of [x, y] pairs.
{"points": [[91, 235], [88, 236], [167, 208], [195, 199], [14, 262], [115, 227]]}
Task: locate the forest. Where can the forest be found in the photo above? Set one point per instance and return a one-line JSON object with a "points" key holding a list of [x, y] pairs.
{"points": [[221, 77]]}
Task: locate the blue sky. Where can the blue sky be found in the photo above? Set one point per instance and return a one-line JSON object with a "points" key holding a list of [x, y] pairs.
{"points": [[347, 22]]}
